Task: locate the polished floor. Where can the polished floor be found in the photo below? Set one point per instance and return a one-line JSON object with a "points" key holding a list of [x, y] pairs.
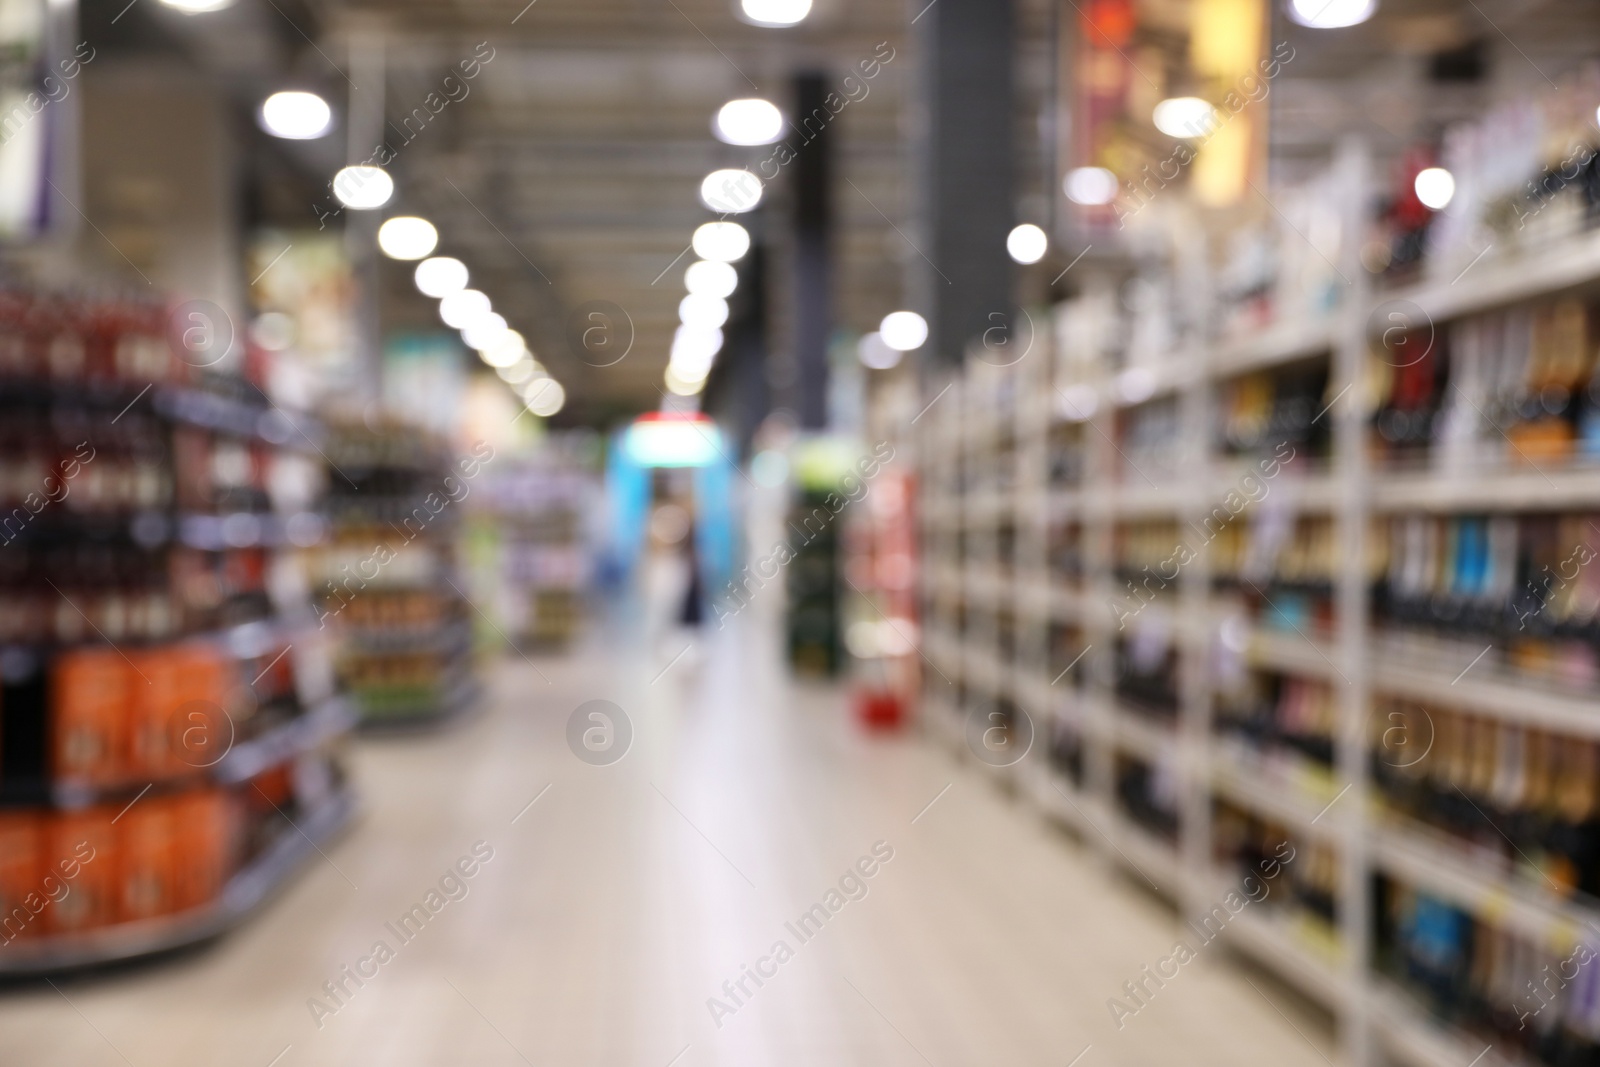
{"points": [[621, 900]]}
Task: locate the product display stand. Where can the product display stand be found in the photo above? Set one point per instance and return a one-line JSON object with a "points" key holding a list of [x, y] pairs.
{"points": [[388, 584], [170, 737], [1053, 489]]}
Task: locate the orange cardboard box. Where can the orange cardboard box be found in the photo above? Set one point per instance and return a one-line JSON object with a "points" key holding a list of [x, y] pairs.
{"points": [[89, 711], [177, 722], [205, 822], [79, 849], [20, 875], [146, 855]]}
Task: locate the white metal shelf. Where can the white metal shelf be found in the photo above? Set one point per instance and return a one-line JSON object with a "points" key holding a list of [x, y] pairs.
{"points": [[1548, 486], [246, 891], [1283, 342], [1480, 689], [1278, 943], [1510, 278], [1429, 861]]}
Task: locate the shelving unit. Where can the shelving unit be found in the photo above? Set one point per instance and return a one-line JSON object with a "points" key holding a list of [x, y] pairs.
{"points": [[171, 742], [1084, 488], [388, 581]]}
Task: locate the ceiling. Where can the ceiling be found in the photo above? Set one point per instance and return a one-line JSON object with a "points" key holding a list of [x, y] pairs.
{"points": [[569, 171]]}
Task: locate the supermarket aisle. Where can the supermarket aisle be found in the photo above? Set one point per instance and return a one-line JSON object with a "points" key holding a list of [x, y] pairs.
{"points": [[623, 898]]}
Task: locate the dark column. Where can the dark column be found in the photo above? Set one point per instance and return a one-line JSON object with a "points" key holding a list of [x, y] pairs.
{"points": [[813, 274], [964, 174], [738, 395]]}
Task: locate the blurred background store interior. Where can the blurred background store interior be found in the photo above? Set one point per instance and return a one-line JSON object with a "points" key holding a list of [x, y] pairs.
{"points": [[688, 532]]}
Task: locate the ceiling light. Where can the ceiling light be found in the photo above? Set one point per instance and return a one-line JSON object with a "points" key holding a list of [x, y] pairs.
{"points": [[903, 330], [520, 371], [485, 331], [362, 187], [462, 309], [748, 122], [1090, 185], [775, 12], [546, 398], [1027, 243], [690, 342], [1331, 14], [874, 353], [710, 278], [296, 116], [441, 276], [407, 237], [681, 386], [1185, 116], [198, 7], [531, 385], [1435, 187], [723, 242], [730, 191], [505, 350], [703, 312], [692, 368]]}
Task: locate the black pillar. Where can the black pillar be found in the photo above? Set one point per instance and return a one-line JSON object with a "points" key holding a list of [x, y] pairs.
{"points": [[965, 174], [813, 303]]}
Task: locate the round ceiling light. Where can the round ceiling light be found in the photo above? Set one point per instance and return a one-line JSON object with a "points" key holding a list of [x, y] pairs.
{"points": [[545, 398], [1185, 116], [1435, 187], [440, 276], [721, 242], [407, 237], [505, 350], [520, 371], [775, 12], [903, 330], [874, 353], [1091, 186], [692, 341], [485, 331], [679, 385], [710, 278], [702, 312], [461, 310], [198, 7], [1027, 243], [750, 121], [1331, 14], [296, 116], [363, 188], [730, 191]]}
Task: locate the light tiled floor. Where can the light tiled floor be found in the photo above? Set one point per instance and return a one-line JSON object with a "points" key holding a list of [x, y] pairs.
{"points": [[616, 905]]}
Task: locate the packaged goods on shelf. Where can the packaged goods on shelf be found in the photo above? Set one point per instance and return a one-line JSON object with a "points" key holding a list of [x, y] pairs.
{"points": [[1527, 800], [157, 658], [1292, 877], [1537, 998], [387, 582], [1147, 793], [540, 511], [812, 581], [1526, 178], [1280, 717], [882, 623]]}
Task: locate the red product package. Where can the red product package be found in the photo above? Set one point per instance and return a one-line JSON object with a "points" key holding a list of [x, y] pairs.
{"points": [[79, 849], [205, 823], [146, 848], [178, 725], [89, 701], [20, 876]]}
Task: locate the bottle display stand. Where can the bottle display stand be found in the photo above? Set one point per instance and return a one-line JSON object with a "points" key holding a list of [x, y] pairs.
{"points": [[171, 740], [1380, 649]]}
